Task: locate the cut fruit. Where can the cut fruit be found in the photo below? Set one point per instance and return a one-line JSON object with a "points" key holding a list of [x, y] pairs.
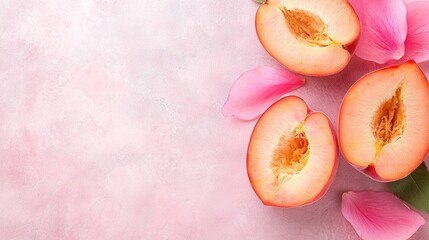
{"points": [[310, 37], [383, 124], [292, 154]]}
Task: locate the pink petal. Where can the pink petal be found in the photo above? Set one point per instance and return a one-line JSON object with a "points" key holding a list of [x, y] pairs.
{"points": [[417, 42], [384, 29], [255, 90], [380, 215]]}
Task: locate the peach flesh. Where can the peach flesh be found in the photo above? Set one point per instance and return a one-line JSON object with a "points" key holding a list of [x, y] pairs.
{"points": [[307, 27], [381, 117], [389, 121], [310, 37], [292, 154]]}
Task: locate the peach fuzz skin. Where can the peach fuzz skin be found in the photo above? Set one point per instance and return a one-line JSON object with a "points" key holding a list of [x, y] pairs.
{"points": [[266, 200], [414, 104]]}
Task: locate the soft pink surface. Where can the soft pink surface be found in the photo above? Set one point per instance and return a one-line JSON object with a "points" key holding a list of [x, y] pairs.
{"points": [[111, 125]]}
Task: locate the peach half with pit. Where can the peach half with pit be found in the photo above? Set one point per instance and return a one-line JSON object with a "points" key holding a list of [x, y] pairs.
{"points": [[384, 122], [292, 154], [310, 37]]}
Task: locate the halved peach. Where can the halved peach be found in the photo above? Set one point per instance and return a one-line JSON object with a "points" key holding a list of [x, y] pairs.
{"points": [[292, 154], [310, 37], [384, 122]]}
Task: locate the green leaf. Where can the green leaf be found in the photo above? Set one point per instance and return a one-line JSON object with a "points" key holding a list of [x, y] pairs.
{"points": [[259, 1], [414, 189]]}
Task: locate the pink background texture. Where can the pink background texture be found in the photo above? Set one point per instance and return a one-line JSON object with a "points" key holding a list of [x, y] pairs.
{"points": [[111, 125]]}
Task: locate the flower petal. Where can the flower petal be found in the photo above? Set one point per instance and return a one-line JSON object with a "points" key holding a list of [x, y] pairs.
{"points": [[417, 42], [383, 31], [255, 90], [380, 215]]}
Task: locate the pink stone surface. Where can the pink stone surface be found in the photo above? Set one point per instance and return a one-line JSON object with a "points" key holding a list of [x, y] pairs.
{"points": [[111, 125]]}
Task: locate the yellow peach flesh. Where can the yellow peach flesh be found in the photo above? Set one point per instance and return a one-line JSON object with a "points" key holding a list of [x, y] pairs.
{"points": [[381, 117], [308, 36], [291, 157]]}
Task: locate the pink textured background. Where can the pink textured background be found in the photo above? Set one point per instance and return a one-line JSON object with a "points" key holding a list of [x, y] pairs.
{"points": [[110, 125]]}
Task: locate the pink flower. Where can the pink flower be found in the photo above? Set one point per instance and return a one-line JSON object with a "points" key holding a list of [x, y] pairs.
{"points": [[393, 30]]}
